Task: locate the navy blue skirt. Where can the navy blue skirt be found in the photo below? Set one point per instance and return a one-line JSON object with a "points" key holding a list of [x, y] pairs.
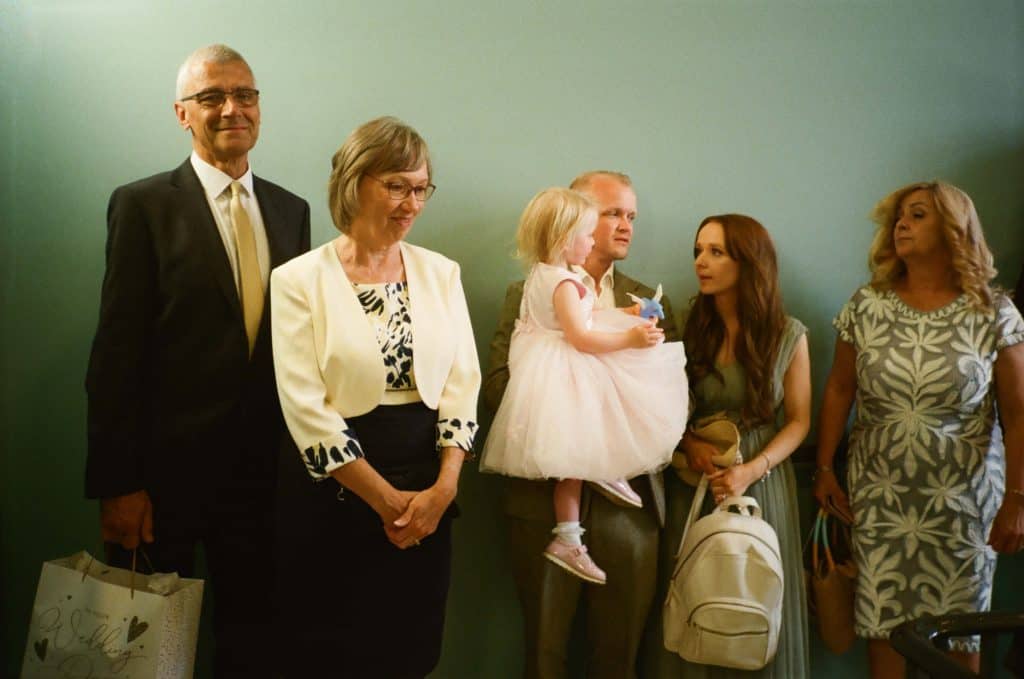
{"points": [[351, 604]]}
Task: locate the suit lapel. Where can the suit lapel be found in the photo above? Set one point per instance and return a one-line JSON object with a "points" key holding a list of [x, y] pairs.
{"points": [[196, 214], [275, 228], [273, 223], [622, 285]]}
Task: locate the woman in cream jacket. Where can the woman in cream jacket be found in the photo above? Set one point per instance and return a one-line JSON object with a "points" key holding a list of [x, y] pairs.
{"points": [[378, 377]]}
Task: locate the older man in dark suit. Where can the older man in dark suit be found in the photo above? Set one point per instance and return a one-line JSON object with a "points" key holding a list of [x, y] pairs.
{"points": [[184, 421], [623, 540]]}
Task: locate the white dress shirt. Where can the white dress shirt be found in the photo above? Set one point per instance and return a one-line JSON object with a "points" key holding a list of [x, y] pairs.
{"points": [[606, 299], [217, 186]]}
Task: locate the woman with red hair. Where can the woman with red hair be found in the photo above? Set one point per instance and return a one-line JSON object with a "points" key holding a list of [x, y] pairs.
{"points": [[748, 360]]}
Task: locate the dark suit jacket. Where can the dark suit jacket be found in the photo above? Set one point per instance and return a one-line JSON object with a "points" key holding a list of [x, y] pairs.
{"points": [[173, 395], [532, 500]]}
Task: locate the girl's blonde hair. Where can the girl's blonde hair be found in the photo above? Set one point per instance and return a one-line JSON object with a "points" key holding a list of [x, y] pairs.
{"points": [[549, 221], [971, 259]]}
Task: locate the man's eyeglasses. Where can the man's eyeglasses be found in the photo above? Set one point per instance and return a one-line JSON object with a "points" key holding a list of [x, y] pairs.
{"points": [[242, 96], [401, 190]]}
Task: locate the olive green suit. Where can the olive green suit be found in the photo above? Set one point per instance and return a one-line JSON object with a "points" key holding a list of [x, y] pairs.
{"points": [[622, 540]]}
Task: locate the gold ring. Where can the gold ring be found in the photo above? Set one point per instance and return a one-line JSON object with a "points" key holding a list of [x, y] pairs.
{"points": [[416, 542]]}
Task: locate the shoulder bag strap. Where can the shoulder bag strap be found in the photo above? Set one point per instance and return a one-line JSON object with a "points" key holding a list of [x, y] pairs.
{"points": [[698, 502]]}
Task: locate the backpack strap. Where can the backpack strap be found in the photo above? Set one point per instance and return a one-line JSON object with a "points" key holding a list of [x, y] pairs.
{"points": [[698, 502], [747, 506]]}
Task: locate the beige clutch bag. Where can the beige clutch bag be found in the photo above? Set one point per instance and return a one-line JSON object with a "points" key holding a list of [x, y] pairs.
{"points": [[720, 432]]}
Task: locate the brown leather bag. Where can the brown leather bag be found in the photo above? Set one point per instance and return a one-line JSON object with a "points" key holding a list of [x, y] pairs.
{"points": [[832, 578]]}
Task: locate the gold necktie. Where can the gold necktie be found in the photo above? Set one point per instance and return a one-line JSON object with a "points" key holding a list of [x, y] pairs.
{"points": [[251, 283]]}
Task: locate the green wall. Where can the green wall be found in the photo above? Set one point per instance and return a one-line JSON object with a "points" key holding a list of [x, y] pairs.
{"points": [[802, 114]]}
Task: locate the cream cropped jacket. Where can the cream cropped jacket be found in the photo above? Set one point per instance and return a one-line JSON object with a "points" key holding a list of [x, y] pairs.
{"points": [[328, 363]]}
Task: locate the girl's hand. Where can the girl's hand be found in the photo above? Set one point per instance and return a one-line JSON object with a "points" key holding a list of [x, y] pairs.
{"points": [[831, 497], [420, 518], [645, 335], [734, 480]]}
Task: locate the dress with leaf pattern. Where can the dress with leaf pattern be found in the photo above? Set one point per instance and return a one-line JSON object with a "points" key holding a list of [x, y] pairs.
{"points": [[926, 472]]}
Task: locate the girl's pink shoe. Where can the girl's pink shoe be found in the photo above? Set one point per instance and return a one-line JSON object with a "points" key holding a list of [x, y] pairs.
{"points": [[619, 492], [574, 558]]}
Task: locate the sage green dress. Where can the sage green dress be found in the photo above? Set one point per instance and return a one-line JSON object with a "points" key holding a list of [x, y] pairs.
{"points": [[777, 497]]}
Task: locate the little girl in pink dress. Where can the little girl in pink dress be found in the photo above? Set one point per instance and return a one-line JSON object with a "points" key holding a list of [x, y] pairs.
{"points": [[592, 395]]}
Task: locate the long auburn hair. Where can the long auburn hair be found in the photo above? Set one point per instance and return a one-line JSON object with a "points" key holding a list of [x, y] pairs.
{"points": [[761, 313]]}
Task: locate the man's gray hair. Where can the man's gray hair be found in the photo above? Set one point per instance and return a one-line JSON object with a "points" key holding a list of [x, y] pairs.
{"points": [[216, 54]]}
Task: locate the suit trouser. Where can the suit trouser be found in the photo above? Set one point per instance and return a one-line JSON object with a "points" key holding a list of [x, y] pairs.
{"points": [[623, 541], [232, 521]]}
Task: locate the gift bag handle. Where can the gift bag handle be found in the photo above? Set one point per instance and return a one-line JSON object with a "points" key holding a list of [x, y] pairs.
{"points": [[131, 580], [88, 566]]}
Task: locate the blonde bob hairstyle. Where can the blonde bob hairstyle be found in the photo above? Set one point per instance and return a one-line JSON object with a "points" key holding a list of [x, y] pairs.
{"points": [[971, 259], [382, 145], [549, 222]]}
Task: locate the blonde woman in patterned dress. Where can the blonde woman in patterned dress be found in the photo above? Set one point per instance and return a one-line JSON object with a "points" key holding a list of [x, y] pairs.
{"points": [[931, 354]]}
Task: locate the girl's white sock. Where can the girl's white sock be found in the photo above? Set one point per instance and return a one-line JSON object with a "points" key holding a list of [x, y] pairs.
{"points": [[569, 532]]}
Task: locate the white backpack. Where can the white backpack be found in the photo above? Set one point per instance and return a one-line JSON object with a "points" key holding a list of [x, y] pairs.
{"points": [[724, 603]]}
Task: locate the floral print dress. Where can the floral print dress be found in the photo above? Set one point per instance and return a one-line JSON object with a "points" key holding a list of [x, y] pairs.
{"points": [[926, 472]]}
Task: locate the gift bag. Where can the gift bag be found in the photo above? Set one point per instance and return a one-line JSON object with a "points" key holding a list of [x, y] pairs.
{"points": [[92, 620], [832, 578]]}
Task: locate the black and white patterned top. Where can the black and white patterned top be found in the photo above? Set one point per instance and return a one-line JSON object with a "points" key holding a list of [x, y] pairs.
{"points": [[387, 307]]}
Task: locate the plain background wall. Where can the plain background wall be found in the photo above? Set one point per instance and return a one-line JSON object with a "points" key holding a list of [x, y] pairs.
{"points": [[802, 114]]}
